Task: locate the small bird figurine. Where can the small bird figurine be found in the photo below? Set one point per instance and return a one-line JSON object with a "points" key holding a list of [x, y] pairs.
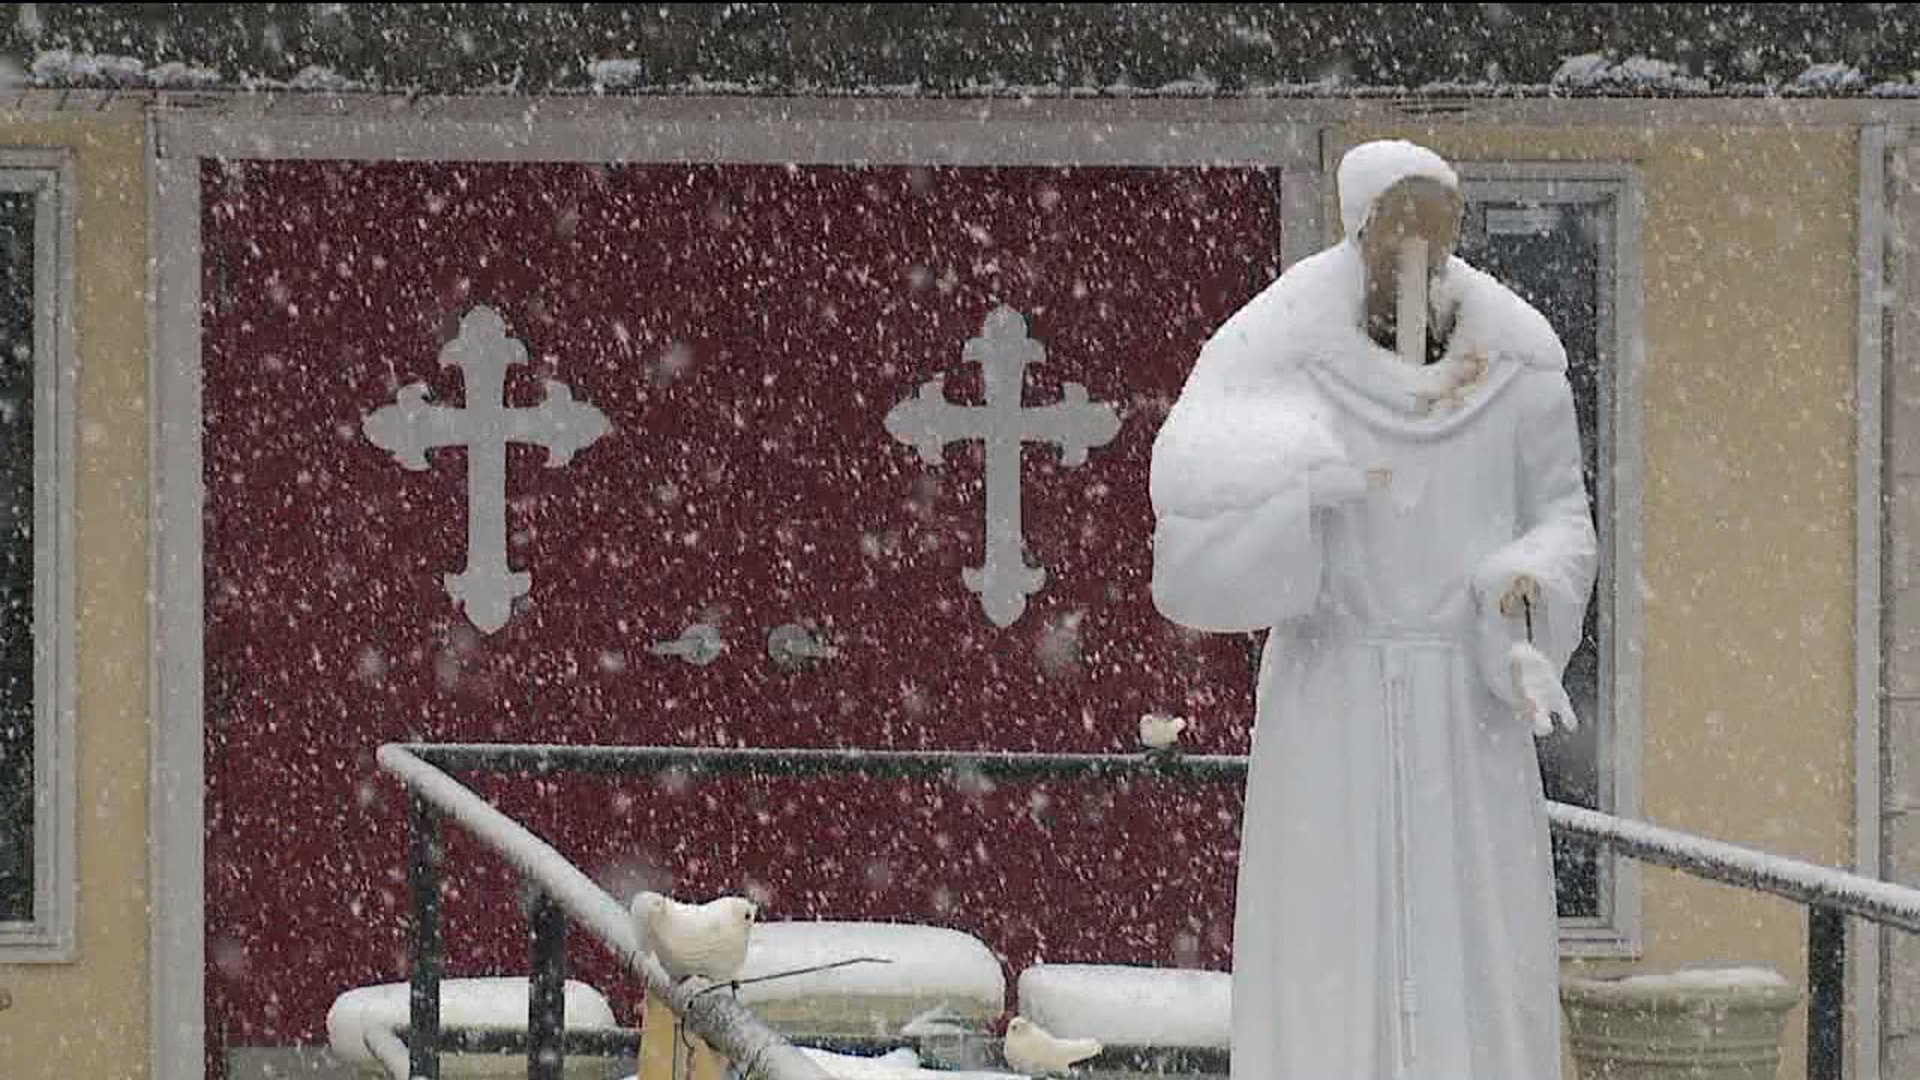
{"points": [[709, 940], [1543, 700], [1159, 731], [1033, 1050]]}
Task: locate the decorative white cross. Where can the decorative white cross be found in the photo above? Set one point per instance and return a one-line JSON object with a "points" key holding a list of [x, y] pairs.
{"points": [[928, 421], [411, 426]]}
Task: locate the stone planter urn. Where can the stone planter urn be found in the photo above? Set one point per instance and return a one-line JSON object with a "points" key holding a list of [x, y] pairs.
{"points": [[1700, 1024]]}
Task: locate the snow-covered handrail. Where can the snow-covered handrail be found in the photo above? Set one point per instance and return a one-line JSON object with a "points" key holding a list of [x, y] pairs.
{"points": [[1808, 883], [1830, 895], [728, 1026], [1883, 902], [790, 761]]}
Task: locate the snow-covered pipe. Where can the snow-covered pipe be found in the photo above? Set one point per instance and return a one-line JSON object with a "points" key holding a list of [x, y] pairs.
{"points": [[1807, 883], [1895, 905], [387, 1049], [728, 1026]]}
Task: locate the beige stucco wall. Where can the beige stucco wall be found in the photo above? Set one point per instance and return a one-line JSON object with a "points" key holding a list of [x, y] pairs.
{"points": [[89, 1017], [1748, 517]]}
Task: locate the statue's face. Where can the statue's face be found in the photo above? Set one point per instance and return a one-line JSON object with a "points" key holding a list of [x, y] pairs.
{"points": [[1414, 207]]}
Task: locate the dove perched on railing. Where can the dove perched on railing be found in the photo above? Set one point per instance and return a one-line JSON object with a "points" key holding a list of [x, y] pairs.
{"points": [[1035, 1051], [709, 940], [1159, 731]]}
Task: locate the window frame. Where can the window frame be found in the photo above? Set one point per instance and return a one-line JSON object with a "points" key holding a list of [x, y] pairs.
{"points": [[1617, 930], [49, 936]]}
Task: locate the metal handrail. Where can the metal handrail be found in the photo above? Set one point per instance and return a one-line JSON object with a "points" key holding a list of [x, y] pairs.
{"points": [[1829, 894], [728, 1026], [1803, 882], [1806, 883]]}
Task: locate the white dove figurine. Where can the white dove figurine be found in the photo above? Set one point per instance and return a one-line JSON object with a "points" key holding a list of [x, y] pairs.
{"points": [[1543, 698], [709, 940], [1033, 1050], [1159, 731]]}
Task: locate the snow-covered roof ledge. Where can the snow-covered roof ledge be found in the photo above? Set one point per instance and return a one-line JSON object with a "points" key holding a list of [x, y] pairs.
{"points": [[975, 50], [1588, 75]]}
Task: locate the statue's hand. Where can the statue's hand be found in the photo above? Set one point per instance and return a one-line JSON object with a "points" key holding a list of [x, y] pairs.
{"points": [[1542, 702], [1523, 592]]}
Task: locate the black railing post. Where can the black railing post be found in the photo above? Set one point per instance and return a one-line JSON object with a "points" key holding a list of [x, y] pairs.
{"points": [[547, 989], [1826, 992], [423, 886]]}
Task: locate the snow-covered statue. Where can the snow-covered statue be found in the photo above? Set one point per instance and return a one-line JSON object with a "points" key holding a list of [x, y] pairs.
{"points": [[1377, 458]]}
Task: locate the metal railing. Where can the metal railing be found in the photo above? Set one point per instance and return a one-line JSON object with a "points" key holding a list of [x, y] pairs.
{"points": [[563, 894], [1829, 895]]}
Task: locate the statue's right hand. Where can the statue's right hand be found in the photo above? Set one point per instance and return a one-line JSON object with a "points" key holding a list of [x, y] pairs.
{"points": [[1521, 594]]}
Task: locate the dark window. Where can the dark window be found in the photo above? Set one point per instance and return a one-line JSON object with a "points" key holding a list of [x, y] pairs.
{"points": [[18, 813], [1559, 256]]}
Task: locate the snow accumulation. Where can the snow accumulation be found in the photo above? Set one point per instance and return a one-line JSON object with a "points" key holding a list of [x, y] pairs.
{"points": [[174, 75], [1734, 986], [620, 74], [901, 1064], [1369, 170], [855, 1067], [1894, 904], [313, 77], [1728, 978], [358, 1016], [1596, 72], [1130, 1006], [66, 68], [893, 1065], [617, 74], [1587, 69], [925, 963], [1593, 73], [1830, 77], [63, 67], [1219, 452]]}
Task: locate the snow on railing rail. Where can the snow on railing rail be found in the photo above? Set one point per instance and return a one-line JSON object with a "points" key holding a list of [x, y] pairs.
{"points": [[388, 1049], [1829, 894], [728, 1026], [1881, 901]]}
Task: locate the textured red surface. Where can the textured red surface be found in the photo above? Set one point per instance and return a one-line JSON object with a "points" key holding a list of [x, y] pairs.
{"points": [[746, 330]]}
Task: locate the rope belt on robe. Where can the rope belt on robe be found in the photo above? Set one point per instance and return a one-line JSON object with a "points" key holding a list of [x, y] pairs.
{"points": [[1392, 653]]}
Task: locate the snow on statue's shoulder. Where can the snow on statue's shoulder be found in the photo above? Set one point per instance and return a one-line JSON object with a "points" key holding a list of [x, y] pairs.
{"points": [[1498, 321], [1227, 451], [1245, 420]]}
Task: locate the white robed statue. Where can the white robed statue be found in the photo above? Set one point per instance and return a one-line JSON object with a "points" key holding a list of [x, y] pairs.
{"points": [[1377, 458]]}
